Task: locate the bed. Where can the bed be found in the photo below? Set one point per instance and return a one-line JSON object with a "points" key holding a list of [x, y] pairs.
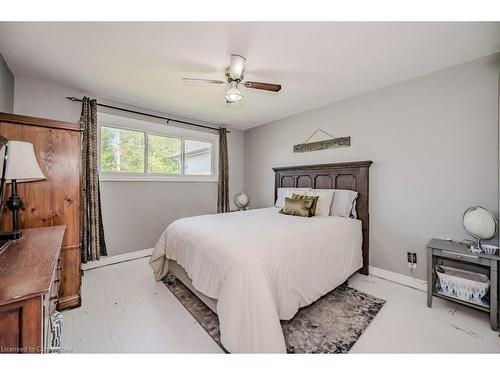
{"points": [[254, 268]]}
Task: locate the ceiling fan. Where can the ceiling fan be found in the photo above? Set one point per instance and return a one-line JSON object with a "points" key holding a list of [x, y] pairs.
{"points": [[234, 76]]}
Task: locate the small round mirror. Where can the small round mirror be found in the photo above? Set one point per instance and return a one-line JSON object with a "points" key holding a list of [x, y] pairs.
{"points": [[480, 224], [241, 200]]}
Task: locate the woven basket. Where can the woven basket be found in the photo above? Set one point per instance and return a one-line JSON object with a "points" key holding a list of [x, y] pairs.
{"points": [[461, 284]]}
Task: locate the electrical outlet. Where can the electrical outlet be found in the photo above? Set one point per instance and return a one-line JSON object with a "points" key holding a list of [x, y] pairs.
{"points": [[412, 260], [412, 257]]}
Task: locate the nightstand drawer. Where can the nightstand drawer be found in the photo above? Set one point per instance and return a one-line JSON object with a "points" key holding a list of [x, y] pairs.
{"points": [[469, 258]]}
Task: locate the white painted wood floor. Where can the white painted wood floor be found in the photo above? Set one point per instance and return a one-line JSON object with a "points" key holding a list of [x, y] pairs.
{"points": [[125, 311]]}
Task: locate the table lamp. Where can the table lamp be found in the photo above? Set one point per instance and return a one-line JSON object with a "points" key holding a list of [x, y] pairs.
{"points": [[22, 166]]}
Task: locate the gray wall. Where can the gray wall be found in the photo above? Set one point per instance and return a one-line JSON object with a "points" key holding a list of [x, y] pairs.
{"points": [[134, 213], [6, 87], [433, 140], [434, 144]]}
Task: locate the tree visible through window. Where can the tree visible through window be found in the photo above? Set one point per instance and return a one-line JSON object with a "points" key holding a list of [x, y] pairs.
{"points": [[122, 150], [164, 154]]}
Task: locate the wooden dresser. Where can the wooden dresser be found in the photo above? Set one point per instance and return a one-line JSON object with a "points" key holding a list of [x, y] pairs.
{"points": [[56, 200], [29, 286]]}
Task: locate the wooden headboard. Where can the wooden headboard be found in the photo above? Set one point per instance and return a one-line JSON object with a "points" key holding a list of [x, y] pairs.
{"points": [[350, 176]]}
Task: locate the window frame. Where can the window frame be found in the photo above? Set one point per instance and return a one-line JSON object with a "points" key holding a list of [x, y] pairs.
{"points": [[158, 129]]}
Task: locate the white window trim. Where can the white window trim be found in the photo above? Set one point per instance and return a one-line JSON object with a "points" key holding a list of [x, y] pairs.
{"points": [[153, 128]]}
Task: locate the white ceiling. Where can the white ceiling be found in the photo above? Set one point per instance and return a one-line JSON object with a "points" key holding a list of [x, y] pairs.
{"points": [[317, 63]]}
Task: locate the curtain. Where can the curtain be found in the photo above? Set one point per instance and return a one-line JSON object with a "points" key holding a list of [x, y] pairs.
{"points": [[223, 186], [93, 244]]}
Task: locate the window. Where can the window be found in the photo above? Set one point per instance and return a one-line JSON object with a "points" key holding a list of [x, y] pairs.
{"points": [[155, 152], [164, 154], [122, 150], [197, 157]]}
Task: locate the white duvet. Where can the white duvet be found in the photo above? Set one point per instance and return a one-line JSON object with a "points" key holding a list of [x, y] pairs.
{"points": [[261, 266]]}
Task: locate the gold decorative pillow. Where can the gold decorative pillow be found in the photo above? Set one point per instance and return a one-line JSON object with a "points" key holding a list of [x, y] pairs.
{"points": [[297, 207], [313, 197]]}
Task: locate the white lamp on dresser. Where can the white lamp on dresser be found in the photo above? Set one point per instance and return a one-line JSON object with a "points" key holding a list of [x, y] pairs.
{"points": [[22, 166]]}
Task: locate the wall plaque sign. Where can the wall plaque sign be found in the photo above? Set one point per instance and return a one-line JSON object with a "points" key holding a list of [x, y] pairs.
{"points": [[322, 145]]}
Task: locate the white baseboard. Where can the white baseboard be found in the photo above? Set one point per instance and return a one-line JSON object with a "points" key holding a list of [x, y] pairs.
{"points": [[399, 278], [113, 259]]}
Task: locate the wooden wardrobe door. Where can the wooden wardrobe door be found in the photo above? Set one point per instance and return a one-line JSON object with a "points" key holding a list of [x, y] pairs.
{"points": [[56, 200]]}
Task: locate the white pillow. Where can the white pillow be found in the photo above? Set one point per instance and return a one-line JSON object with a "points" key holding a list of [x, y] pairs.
{"points": [[344, 203], [331, 204], [324, 201], [287, 193]]}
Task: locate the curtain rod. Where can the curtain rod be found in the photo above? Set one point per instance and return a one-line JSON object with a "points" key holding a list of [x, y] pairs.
{"points": [[73, 99]]}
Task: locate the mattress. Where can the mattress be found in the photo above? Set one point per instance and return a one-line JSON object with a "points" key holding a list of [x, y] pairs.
{"points": [[261, 267]]}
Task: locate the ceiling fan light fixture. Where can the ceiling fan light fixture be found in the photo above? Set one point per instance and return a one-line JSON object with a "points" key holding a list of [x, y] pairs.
{"points": [[234, 75], [233, 95]]}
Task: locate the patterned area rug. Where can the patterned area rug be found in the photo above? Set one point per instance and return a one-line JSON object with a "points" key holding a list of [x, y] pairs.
{"points": [[332, 324]]}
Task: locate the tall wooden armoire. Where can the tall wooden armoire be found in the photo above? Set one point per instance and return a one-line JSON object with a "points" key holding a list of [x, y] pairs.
{"points": [[56, 200]]}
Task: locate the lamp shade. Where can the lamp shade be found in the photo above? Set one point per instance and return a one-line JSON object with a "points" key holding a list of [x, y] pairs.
{"points": [[22, 165]]}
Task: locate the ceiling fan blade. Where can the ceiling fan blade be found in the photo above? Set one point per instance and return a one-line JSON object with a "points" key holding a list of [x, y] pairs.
{"points": [[199, 80], [237, 66], [262, 86]]}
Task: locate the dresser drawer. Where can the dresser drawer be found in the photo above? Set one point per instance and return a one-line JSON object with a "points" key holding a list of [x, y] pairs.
{"points": [[469, 258]]}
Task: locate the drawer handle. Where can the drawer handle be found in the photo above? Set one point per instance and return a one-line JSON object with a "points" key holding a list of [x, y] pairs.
{"points": [[54, 298]]}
